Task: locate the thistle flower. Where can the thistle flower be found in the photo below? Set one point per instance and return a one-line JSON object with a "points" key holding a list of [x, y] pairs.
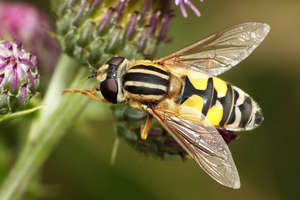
{"points": [[22, 22], [19, 77], [94, 30]]}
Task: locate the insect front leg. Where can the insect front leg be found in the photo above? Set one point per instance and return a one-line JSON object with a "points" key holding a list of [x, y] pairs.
{"points": [[89, 93]]}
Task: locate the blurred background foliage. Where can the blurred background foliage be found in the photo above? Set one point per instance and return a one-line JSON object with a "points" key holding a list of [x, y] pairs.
{"points": [[267, 158]]}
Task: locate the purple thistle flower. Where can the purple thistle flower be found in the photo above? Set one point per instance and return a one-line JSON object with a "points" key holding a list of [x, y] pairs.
{"points": [[181, 3], [227, 135], [19, 77], [24, 24]]}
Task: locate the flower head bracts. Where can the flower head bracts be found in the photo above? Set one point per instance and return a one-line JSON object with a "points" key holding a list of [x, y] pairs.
{"points": [[19, 77], [132, 29]]}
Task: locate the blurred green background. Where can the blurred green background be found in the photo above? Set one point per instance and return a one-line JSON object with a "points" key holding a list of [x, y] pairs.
{"points": [[267, 158]]}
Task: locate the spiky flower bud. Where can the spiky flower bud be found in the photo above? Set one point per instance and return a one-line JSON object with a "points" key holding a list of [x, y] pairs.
{"points": [[19, 77], [95, 30]]}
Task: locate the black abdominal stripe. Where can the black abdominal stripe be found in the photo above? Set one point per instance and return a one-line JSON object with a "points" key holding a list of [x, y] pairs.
{"points": [[239, 110], [146, 83]]}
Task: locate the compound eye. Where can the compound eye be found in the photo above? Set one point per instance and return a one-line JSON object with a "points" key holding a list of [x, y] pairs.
{"points": [[109, 90]]}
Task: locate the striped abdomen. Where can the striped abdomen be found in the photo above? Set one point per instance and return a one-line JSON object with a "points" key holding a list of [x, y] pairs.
{"points": [[146, 83], [224, 105]]}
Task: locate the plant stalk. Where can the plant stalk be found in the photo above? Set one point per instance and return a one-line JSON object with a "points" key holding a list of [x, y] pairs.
{"points": [[58, 113]]}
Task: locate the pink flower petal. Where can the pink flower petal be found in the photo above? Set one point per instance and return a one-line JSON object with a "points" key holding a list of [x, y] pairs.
{"points": [[183, 11], [15, 77], [191, 5]]}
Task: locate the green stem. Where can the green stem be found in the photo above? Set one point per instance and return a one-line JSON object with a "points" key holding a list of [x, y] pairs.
{"points": [[57, 115], [18, 114]]}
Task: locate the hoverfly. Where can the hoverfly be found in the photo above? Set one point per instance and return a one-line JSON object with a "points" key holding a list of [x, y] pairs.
{"points": [[182, 93]]}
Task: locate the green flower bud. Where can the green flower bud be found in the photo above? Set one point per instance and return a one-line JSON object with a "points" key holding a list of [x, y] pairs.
{"points": [[19, 77], [92, 31]]}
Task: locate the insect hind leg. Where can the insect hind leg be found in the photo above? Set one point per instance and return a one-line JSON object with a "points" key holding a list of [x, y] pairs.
{"points": [[88, 93]]}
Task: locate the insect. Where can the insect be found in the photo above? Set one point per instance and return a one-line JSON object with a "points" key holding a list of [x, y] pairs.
{"points": [[182, 92]]}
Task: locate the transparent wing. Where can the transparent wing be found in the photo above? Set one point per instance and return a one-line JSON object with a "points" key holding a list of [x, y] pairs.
{"points": [[205, 145], [222, 50]]}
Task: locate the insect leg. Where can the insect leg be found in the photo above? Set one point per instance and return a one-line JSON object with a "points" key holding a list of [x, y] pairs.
{"points": [[145, 128], [88, 93]]}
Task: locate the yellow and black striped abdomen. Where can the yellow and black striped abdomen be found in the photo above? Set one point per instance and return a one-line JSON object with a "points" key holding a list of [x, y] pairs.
{"points": [[224, 105], [146, 83]]}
